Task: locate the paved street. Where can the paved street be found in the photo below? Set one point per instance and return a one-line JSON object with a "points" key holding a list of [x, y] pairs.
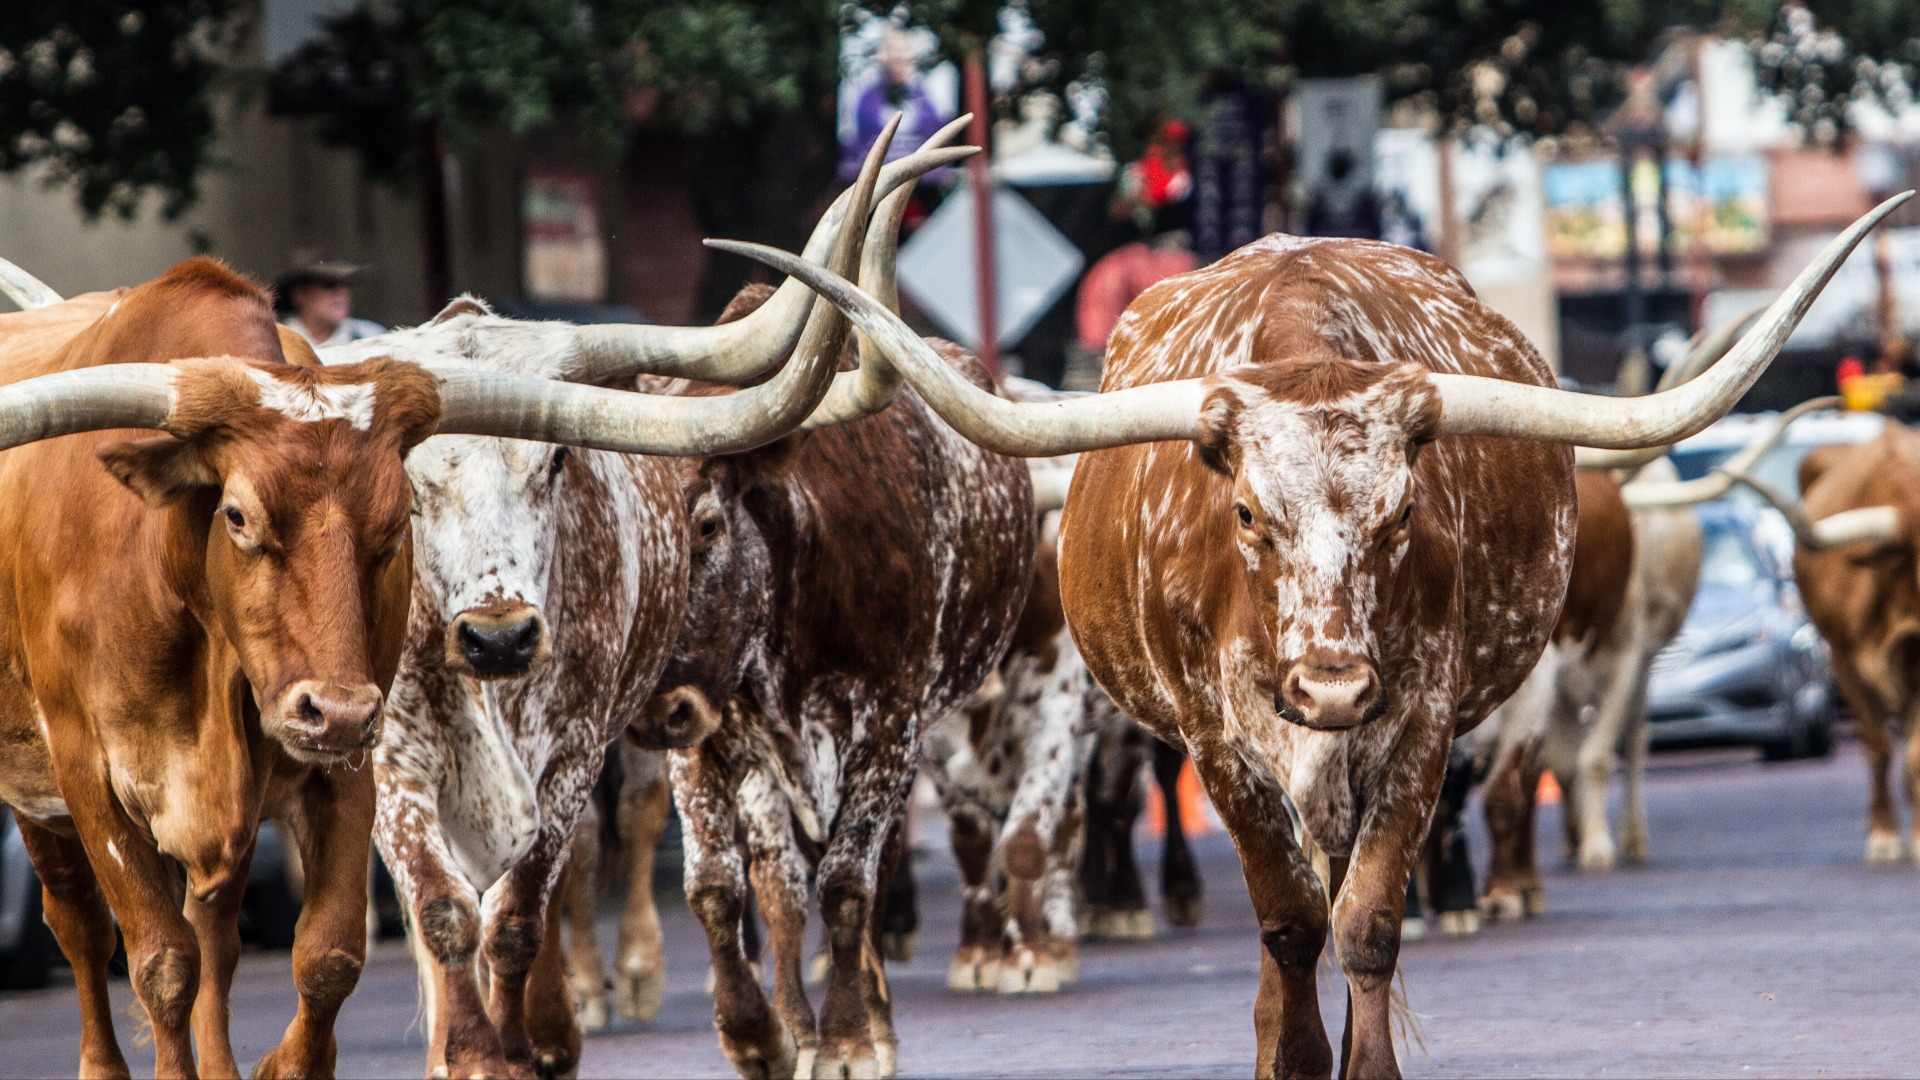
{"points": [[1753, 944]]}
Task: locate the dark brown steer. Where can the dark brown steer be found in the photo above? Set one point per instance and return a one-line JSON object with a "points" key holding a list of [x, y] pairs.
{"points": [[849, 586]]}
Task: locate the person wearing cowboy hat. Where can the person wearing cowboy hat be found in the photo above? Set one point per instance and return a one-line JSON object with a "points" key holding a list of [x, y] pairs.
{"points": [[314, 299]]}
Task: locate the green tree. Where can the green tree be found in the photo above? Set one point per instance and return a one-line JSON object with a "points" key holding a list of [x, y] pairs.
{"points": [[113, 99]]}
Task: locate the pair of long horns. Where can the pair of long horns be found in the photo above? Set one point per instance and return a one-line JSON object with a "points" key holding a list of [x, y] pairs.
{"points": [[513, 406], [1470, 405]]}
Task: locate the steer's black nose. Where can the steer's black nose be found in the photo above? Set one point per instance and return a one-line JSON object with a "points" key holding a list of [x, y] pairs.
{"points": [[495, 645]]}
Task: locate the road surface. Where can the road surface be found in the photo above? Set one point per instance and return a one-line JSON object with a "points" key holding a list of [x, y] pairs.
{"points": [[1754, 943]]}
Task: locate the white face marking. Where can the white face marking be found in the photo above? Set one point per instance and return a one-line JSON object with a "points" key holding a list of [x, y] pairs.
{"points": [[485, 520], [1330, 489], [353, 404]]}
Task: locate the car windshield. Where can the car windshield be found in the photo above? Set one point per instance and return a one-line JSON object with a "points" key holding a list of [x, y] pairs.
{"points": [[1728, 560]]}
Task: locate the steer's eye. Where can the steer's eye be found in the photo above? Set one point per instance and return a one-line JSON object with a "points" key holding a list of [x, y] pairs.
{"points": [[559, 461], [709, 526], [1246, 515], [235, 519]]}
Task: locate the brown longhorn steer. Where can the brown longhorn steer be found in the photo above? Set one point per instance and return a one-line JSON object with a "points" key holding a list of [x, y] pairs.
{"points": [[197, 637], [1855, 561], [850, 585], [1320, 566]]}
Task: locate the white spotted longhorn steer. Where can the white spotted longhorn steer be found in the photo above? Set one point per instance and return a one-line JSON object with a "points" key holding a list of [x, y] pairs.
{"points": [[548, 586], [1322, 523]]}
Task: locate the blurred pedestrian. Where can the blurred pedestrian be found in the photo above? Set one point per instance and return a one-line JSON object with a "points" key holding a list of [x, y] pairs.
{"points": [[896, 88], [1344, 205], [315, 300]]}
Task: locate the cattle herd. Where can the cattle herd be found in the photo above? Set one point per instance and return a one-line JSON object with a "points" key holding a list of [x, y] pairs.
{"points": [[1324, 519]]}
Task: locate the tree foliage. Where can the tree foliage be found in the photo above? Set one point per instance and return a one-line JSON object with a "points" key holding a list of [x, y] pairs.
{"points": [[113, 99]]}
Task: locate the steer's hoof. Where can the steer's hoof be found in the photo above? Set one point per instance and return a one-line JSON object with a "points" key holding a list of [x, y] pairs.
{"points": [[846, 1061], [1184, 910], [555, 1065], [1533, 901], [1122, 926], [1066, 960], [638, 995], [972, 971], [1503, 903], [1412, 928], [1597, 855], [1026, 972], [590, 1011], [899, 945], [1633, 847], [1460, 923], [771, 1058], [1884, 848]]}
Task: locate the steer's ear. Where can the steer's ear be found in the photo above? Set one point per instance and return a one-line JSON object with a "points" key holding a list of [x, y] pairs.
{"points": [[161, 469], [1215, 445]]}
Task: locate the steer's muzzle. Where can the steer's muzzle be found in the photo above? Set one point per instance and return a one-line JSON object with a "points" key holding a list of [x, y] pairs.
{"points": [[498, 642], [326, 721], [1330, 691], [675, 719]]}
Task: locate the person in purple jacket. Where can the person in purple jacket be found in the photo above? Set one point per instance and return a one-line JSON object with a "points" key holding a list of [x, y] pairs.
{"points": [[897, 89]]}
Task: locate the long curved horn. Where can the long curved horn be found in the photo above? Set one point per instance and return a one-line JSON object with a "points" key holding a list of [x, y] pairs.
{"points": [[1472, 405], [86, 399], [1167, 410], [1862, 525], [1705, 350], [870, 387], [546, 410], [749, 347], [1658, 494], [26, 291]]}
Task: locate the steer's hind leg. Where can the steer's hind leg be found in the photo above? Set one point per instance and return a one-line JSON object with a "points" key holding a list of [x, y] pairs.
{"points": [[976, 962], [81, 923], [333, 827], [1291, 907], [640, 983]]}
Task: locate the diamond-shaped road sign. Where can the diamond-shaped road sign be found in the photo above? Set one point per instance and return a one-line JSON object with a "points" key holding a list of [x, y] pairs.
{"points": [[1033, 265]]}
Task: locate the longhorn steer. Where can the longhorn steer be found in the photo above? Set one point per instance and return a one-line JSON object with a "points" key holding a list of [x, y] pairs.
{"points": [[850, 585], [1333, 570], [196, 635], [1856, 566], [549, 584]]}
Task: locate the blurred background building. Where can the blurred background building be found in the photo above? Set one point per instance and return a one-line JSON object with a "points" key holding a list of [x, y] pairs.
{"points": [[374, 133]]}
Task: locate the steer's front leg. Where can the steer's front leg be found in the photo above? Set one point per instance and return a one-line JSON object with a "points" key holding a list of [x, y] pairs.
{"points": [[333, 827], [1371, 900], [752, 1036]]}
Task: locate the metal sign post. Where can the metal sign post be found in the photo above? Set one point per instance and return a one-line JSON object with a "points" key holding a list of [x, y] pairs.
{"points": [[979, 176]]}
